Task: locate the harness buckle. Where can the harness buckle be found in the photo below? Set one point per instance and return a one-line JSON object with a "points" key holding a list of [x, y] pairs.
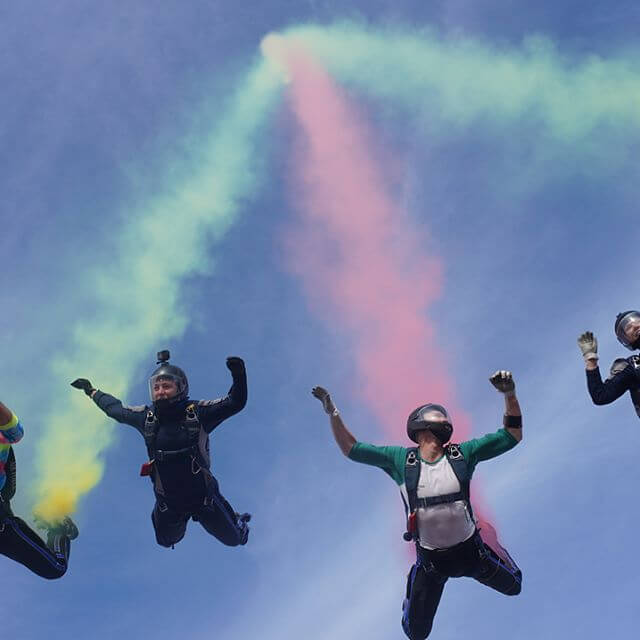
{"points": [[162, 507], [454, 452], [412, 458], [191, 412], [194, 464]]}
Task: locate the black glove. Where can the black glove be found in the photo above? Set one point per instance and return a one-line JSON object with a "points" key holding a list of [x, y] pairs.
{"points": [[235, 365], [84, 384]]}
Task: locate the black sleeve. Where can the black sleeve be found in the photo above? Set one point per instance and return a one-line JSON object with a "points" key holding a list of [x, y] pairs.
{"points": [[212, 412], [610, 390], [134, 416]]}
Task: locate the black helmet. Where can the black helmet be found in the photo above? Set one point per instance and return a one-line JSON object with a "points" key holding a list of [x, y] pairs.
{"points": [[171, 372], [416, 422], [622, 321]]}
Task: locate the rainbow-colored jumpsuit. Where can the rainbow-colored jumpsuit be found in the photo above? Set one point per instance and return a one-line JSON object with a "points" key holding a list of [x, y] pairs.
{"points": [[10, 433]]}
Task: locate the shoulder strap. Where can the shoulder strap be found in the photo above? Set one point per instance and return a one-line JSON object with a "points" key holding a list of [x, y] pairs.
{"points": [[411, 477], [197, 435], [149, 432], [9, 489], [461, 470]]}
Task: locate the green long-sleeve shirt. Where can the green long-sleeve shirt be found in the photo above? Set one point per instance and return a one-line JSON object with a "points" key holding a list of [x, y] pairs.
{"points": [[392, 459]]}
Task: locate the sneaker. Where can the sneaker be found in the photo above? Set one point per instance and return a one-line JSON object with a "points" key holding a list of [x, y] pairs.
{"points": [[66, 527], [242, 519]]}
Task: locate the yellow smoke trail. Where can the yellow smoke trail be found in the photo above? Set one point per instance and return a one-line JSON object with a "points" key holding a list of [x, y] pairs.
{"points": [[134, 300]]}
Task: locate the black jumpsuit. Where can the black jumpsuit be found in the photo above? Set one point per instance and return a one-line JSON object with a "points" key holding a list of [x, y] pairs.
{"points": [[184, 487], [22, 544]]}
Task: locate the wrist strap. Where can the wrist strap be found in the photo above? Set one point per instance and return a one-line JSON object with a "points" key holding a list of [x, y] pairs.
{"points": [[590, 356], [335, 413], [513, 422]]}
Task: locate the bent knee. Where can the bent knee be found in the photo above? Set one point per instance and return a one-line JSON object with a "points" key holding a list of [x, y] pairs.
{"points": [[54, 574], [421, 634]]}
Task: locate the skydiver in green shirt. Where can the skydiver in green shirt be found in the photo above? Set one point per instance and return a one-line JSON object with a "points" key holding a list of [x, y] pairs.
{"points": [[434, 480]]}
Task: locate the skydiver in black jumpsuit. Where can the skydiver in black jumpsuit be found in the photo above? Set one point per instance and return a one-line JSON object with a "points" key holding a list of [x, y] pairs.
{"points": [[624, 374], [176, 431]]}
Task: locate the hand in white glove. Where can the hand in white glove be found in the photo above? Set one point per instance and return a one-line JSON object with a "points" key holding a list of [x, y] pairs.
{"points": [[588, 345]]}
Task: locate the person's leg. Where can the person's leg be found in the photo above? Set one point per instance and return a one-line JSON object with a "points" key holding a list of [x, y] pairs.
{"points": [[497, 571], [20, 543], [424, 590], [220, 520], [169, 525]]}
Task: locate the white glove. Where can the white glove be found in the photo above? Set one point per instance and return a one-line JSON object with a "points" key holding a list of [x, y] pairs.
{"points": [[588, 345]]}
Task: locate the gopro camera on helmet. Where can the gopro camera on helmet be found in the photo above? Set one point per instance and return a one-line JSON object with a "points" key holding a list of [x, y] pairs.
{"points": [[163, 356]]}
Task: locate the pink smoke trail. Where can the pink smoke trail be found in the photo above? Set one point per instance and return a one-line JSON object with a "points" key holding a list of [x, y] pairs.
{"points": [[356, 252], [357, 256]]}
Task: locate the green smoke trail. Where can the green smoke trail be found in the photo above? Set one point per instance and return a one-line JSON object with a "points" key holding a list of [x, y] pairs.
{"points": [[459, 80], [134, 300]]}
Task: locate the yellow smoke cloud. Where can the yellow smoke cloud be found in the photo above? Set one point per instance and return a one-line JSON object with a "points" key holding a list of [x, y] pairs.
{"points": [[134, 300]]}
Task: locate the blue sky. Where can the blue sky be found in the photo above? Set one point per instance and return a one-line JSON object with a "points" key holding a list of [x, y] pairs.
{"points": [[105, 111]]}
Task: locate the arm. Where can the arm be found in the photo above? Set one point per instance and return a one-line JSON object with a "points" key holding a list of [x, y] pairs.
{"points": [[134, 416], [11, 430], [503, 382], [612, 388], [212, 412], [622, 376], [343, 437], [390, 459], [512, 408]]}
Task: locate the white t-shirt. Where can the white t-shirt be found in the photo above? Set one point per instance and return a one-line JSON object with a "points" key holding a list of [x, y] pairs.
{"points": [[442, 525]]}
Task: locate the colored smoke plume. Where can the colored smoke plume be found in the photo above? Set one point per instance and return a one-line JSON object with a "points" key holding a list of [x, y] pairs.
{"points": [[357, 255], [461, 80], [134, 300]]}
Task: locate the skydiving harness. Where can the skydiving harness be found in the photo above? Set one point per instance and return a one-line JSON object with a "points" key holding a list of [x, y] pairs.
{"points": [[198, 449], [412, 467]]}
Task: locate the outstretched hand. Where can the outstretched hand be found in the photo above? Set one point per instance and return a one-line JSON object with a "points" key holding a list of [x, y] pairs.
{"points": [[503, 381], [323, 395], [235, 365], [588, 345], [84, 384]]}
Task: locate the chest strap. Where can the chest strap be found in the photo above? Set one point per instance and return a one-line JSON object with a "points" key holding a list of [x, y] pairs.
{"points": [[190, 423], [423, 503], [161, 456]]}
